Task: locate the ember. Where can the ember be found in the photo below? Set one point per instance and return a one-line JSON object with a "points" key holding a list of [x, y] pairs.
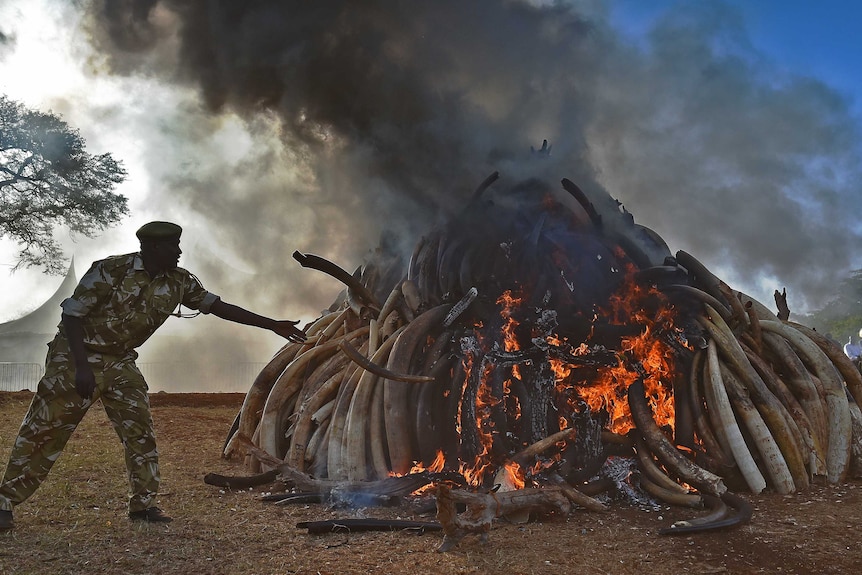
{"points": [[530, 339]]}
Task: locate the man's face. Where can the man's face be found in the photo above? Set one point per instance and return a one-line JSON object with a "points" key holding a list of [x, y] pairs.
{"points": [[164, 255]]}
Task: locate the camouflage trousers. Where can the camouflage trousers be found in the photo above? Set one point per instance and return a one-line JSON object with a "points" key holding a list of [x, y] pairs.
{"points": [[56, 410]]}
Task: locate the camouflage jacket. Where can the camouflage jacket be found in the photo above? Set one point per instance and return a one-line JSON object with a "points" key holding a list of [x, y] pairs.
{"points": [[121, 306]]}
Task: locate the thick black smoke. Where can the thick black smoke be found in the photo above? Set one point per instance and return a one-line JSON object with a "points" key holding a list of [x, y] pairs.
{"points": [[389, 113]]}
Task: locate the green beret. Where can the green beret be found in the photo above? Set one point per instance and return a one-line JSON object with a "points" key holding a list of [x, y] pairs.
{"points": [[159, 231]]}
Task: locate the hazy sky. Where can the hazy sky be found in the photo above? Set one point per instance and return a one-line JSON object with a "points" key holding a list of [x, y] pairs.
{"points": [[730, 128]]}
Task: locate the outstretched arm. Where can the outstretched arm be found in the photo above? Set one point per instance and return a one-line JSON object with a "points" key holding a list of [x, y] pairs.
{"points": [[285, 328]]}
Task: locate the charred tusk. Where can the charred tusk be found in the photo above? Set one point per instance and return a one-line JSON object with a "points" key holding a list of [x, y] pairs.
{"points": [[582, 199], [486, 183], [578, 497], [230, 482], [651, 470], [362, 525], [700, 275], [320, 264], [460, 307], [661, 446], [671, 496], [741, 517], [719, 510], [701, 296], [524, 456]]}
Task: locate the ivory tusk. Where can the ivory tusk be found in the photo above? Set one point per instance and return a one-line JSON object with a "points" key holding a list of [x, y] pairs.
{"points": [[289, 384], [839, 425], [661, 446], [718, 404], [356, 424], [399, 431], [762, 414], [378, 370]]}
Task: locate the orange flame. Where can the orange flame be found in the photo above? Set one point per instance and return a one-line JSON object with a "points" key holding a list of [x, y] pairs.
{"points": [[609, 391], [515, 475]]}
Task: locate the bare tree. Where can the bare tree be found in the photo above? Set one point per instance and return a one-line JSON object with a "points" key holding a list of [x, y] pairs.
{"points": [[48, 180]]}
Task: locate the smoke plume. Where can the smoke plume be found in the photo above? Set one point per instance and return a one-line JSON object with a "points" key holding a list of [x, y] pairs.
{"points": [[388, 113], [266, 127]]}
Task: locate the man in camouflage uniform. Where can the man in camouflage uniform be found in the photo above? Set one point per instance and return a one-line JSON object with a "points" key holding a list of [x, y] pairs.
{"points": [[117, 305]]}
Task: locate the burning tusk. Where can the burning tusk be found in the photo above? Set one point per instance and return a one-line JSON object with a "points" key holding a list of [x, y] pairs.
{"points": [[703, 297], [671, 496], [651, 470], [667, 453], [524, 456]]}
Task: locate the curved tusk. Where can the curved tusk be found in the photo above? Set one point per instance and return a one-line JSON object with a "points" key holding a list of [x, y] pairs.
{"points": [[718, 404], [839, 424], [378, 370]]}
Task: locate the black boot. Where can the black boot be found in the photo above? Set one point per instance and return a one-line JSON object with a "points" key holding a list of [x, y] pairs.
{"points": [[6, 522], [152, 514]]}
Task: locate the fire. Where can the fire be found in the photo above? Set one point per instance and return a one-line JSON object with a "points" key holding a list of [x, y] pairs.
{"points": [[435, 466], [514, 475], [509, 303], [602, 388], [609, 390]]}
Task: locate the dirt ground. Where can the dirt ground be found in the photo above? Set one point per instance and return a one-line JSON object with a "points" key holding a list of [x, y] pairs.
{"points": [[76, 522]]}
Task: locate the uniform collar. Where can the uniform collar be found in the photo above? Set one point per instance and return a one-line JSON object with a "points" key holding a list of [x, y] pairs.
{"points": [[138, 262]]}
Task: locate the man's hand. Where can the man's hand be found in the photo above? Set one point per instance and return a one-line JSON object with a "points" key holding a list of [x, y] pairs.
{"points": [[85, 381], [288, 330]]}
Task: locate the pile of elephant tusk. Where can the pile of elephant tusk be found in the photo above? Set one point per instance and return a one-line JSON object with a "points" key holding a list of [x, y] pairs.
{"points": [[535, 340]]}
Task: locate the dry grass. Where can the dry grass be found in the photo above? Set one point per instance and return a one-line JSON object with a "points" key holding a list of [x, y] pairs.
{"points": [[77, 521]]}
